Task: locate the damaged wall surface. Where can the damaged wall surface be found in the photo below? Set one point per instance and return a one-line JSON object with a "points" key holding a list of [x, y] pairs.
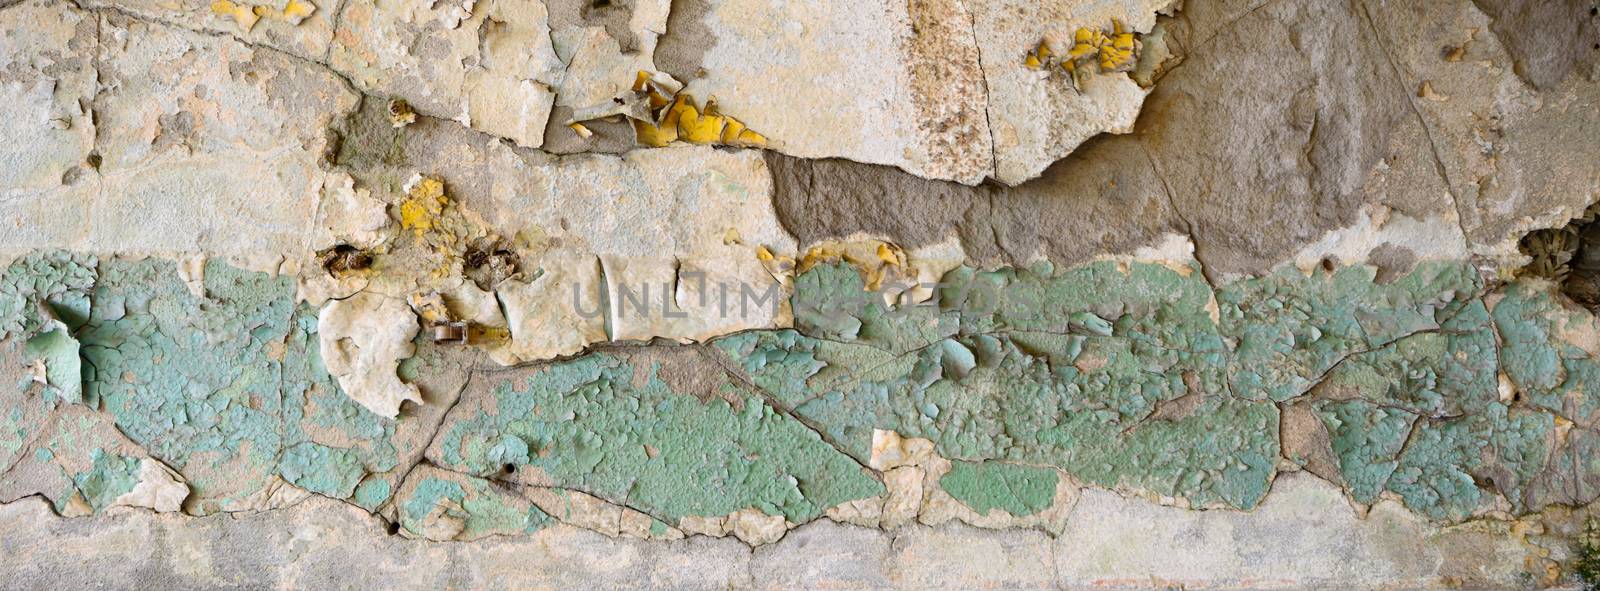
{"points": [[776, 294]]}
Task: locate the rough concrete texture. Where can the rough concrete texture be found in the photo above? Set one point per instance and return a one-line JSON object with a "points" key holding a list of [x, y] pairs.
{"points": [[741, 294]]}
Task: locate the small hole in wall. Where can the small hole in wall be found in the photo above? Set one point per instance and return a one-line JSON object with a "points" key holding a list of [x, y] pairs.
{"points": [[394, 528], [93, 160], [601, 3], [489, 264], [1568, 255], [1329, 264], [344, 258], [510, 468]]}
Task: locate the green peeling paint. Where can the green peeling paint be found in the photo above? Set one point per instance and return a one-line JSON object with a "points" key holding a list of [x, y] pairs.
{"points": [[63, 366], [984, 486], [1042, 368], [592, 424], [1367, 440], [454, 506], [1124, 375], [228, 389], [195, 381], [110, 477], [1289, 328], [331, 442], [44, 286]]}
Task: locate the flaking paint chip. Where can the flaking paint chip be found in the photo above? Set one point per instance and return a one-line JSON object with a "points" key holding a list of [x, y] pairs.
{"points": [[1092, 49], [247, 15], [661, 114], [242, 14]]}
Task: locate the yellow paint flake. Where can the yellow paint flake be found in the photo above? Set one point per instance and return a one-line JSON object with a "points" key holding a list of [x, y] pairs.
{"points": [[1116, 51], [652, 135], [1085, 42], [874, 260], [749, 139], [423, 205], [661, 113], [780, 267], [246, 16], [1039, 56], [243, 15], [1116, 55], [293, 12], [697, 128]]}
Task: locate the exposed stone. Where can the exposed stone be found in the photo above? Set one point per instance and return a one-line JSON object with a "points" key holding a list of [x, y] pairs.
{"points": [[1037, 117], [279, 24], [203, 143], [1303, 536], [1512, 139], [47, 55], [489, 65], [159, 489], [880, 82]]}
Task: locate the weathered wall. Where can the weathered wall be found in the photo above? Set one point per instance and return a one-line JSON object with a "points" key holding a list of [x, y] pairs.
{"points": [[722, 293]]}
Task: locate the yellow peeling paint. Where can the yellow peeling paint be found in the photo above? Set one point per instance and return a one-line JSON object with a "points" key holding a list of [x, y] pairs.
{"points": [[293, 12], [242, 15], [424, 203], [875, 260], [697, 128], [246, 15], [652, 135], [669, 115], [1039, 56], [1116, 51]]}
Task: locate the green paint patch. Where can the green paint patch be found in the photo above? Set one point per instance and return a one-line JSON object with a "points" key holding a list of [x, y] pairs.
{"points": [[1367, 440], [1291, 328], [331, 442], [1453, 468], [44, 286], [110, 477], [1123, 375], [1049, 369], [441, 505], [372, 493], [605, 426], [196, 381], [1547, 350], [63, 367], [984, 486]]}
